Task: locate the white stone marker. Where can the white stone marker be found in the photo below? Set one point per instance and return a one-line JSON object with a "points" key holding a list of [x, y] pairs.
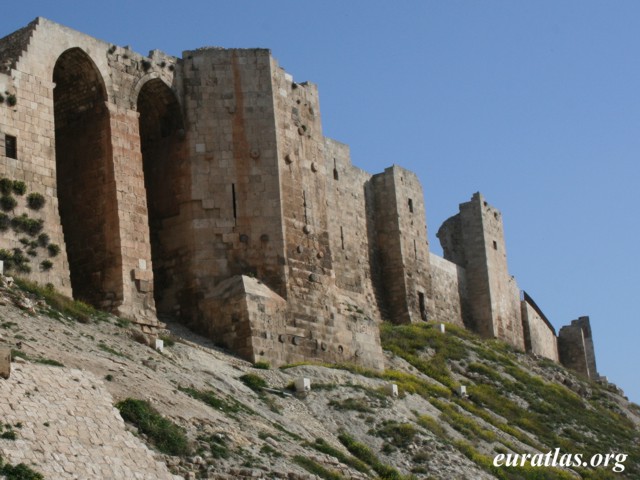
{"points": [[462, 391], [303, 384], [391, 389], [441, 327], [159, 345], [5, 362]]}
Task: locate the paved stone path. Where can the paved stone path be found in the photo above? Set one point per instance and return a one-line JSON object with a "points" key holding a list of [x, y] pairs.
{"points": [[70, 429]]}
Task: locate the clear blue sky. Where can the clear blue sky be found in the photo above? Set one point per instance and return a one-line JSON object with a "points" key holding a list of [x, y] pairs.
{"points": [[536, 104]]}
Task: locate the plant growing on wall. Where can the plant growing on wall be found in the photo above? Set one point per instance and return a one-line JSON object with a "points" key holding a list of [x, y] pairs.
{"points": [[6, 186], [8, 203], [53, 249], [43, 239], [25, 224], [19, 187], [35, 201], [5, 222], [18, 258]]}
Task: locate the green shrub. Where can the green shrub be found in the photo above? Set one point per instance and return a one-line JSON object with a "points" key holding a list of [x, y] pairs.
{"points": [[53, 250], [361, 451], [8, 435], [35, 201], [262, 365], [43, 240], [123, 322], [465, 424], [18, 472], [314, 467], [65, 305], [408, 341], [48, 361], [322, 446], [254, 382], [19, 187], [399, 435], [30, 226], [6, 186], [355, 404], [217, 445], [431, 424], [8, 203], [15, 260], [46, 265], [210, 398], [106, 348], [19, 354], [5, 222], [269, 450], [168, 437]]}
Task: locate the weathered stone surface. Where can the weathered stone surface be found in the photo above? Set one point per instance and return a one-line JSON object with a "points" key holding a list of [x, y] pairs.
{"points": [[539, 334], [202, 188], [77, 434], [474, 239], [575, 346]]}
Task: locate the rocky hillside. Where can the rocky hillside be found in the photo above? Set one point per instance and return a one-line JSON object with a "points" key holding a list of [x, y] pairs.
{"points": [[206, 414]]}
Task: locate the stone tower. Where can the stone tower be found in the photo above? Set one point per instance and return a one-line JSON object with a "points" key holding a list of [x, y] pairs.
{"points": [[575, 346], [474, 239], [404, 252]]}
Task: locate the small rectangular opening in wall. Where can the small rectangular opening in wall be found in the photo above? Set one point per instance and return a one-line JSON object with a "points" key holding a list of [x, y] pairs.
{"points": [[304, 205], [10, 146], [342, 237], [233, 199], [495, 245], [422, 306], [336, 176], [410, 205]]}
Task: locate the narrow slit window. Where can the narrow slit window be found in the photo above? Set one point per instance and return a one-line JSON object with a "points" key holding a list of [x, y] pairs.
{"points": [[336, 176], [342, 237], [304, 205], [10, 146], [495, 245], [233, 199], [410, 205], [422, 306]]}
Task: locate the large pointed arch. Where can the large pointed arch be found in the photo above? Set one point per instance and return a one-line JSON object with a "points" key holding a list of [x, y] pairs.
{"points": [[85, 182], [166, 180]]}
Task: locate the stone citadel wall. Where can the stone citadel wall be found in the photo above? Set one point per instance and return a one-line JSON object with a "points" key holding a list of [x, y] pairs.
{"points": [[202, 188]]}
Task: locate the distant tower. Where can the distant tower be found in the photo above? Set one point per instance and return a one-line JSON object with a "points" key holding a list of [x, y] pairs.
{"points": [[575, 346], [474, 239]]}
